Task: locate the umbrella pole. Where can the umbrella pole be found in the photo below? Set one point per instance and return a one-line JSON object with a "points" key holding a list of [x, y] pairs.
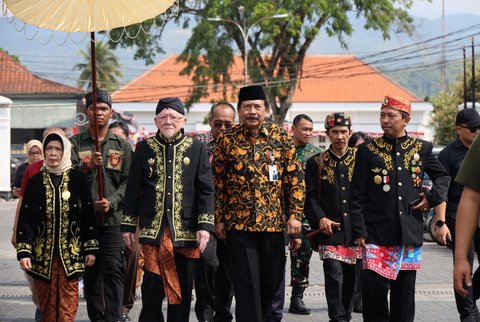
{"points": [[95, 112]]}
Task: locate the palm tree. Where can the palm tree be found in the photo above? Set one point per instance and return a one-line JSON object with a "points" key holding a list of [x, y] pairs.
{"points": [[108, 68]]}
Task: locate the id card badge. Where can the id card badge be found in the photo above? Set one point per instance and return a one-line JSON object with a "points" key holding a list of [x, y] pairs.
{"points": [[272, 173]]}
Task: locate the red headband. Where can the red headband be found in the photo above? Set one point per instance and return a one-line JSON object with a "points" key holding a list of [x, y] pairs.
{"points": [[397, 103]]}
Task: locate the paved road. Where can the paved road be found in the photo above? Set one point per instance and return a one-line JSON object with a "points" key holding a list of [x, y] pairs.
{"points": [[434, 294]]}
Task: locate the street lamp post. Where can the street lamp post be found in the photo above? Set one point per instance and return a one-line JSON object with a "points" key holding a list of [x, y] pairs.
{"points": [[244, 33]]}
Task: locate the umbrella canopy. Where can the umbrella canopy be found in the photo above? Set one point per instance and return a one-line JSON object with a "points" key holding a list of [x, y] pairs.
{"points": [[86, 15]]}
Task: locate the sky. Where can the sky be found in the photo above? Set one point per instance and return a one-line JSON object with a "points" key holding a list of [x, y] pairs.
{"points": [[40, 58], [433, 9]]}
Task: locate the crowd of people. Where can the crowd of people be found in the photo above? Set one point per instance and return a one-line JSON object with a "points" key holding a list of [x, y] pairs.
{"points": [[221, 212]]}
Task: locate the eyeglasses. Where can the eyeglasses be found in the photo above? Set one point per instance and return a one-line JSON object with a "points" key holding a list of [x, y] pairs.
{"points": [[34, 153], [472, 129], [219, 124], [174, 119]]}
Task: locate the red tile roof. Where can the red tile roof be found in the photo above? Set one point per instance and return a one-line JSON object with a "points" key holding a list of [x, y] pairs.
{"points": [[328, 78], [16, 79]]}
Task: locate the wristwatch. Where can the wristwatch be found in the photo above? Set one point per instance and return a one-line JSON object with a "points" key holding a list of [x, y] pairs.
{"points": [[439, 223]]}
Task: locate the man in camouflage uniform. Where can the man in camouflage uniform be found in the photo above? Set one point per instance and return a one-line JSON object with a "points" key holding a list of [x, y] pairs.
{"points": [[302, 130], [104, 280]]}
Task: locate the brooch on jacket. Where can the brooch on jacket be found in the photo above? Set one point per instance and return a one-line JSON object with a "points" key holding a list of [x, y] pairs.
{"points": [[151, 162], [66, 195]]}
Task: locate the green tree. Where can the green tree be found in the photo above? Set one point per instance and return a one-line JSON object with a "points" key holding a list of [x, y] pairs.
{"points": [[108, 68], [276, 47], [457, 87], [443, 119], [445, 107], [14, 57]]}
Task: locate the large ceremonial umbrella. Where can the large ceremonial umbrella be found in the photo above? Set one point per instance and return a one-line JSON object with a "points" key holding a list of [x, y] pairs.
{"points": [[87, 16]]}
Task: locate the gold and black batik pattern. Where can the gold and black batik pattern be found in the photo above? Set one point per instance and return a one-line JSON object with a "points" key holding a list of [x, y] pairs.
{"points": [[246, 199]]}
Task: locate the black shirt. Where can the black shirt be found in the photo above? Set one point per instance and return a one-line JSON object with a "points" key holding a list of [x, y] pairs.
{"points": [[451, 158]]}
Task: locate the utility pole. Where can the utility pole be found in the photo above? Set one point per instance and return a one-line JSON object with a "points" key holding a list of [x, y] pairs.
{"points": [[465, 98], [244, 30], [473, 73], [443, 73]]}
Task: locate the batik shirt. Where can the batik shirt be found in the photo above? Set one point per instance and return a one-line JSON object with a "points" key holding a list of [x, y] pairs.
{"points": [[209, 140], [248, 198]]}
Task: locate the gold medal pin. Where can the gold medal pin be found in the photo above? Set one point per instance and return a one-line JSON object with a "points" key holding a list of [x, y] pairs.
{"points": [[66, 195]]}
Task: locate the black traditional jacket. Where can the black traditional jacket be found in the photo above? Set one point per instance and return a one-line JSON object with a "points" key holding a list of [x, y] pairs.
{"points": [[169, 183], [57, 222], [332, 201], [387, 178]]}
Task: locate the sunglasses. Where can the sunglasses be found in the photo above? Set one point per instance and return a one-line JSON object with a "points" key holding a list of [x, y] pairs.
{"points": [[472, 129], [219, 124]]}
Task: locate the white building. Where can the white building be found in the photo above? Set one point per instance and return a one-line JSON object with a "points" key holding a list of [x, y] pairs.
{"points": [[328, 84]]}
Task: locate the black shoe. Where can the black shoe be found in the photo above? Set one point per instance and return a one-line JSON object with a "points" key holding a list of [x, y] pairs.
{"points": [[476, 284], [38, 315], [125, 317], [358, 308], [298, 307]]}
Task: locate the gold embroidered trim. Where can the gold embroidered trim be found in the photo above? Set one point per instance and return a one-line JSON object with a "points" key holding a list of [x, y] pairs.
{"points": [[44, 243], [407, 143], [159, 151], [350, 163], [24, 247], [384, 145], [205, 218], [129, 220], [64, 244], [380, 143], [91, 244], [329, 165], [180, 232], [409, 154]]}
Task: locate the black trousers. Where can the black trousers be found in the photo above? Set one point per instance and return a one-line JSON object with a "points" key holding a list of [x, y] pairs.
{"points": [[104, 280], [257, 263], [276, 312], [466, 306], [130, 276], [205, 271], [223, 285], [339, 287], [375, 297], [153, 293], [357, 292]]}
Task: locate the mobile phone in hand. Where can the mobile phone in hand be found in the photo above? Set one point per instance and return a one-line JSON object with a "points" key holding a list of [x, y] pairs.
{"points": [[416, 202]]}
